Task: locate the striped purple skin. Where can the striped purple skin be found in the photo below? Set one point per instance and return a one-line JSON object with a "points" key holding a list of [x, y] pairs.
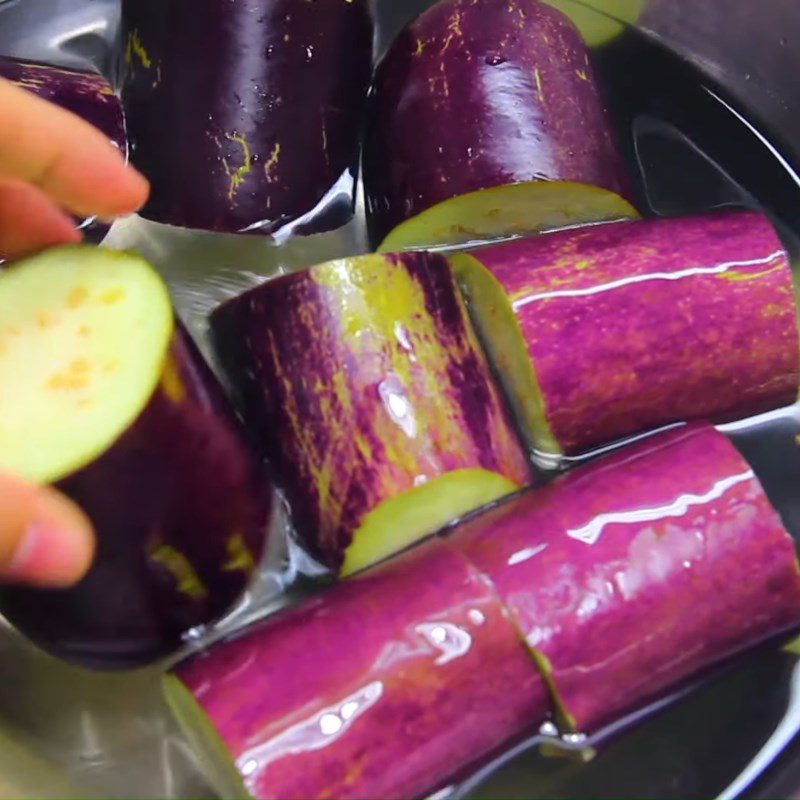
{"points": [[362, 378], [246, 113], [86, 94], [181, 508], [638, 571], [385, 686], [482, 93], [633, 325]]}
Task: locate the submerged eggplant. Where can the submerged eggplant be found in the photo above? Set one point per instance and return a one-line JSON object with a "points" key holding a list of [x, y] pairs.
{"points": [[245, 116], [385, 686], [614, 329], [631, 575], [476, 94], [113, 405], [372, 399]]}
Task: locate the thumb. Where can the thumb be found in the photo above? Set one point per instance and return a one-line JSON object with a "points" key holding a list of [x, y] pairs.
{"points": [[45, 539]]}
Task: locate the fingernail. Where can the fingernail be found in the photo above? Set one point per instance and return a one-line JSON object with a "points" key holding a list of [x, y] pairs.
{"points": [[47, 556]]}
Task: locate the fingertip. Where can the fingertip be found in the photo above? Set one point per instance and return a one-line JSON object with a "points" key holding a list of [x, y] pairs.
{"points": [[117, 189], [30, 221], [54, 542]]}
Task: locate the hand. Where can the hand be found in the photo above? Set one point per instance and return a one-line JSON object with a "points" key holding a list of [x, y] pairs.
{"points": [[51, 164]]}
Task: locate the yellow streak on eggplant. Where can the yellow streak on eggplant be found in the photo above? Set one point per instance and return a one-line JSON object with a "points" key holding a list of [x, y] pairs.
{"points": [[238, 175], [453, 30], [187, 581], [733, 275], [272, 161], [134, 47], [171, 383], [325, 142], [538, 77], [240, 559]]}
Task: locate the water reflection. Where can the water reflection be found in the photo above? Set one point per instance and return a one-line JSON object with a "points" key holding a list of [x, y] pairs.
{"points": [[591, 532]]}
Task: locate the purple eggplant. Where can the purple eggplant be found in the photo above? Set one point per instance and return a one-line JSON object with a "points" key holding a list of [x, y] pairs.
{"points": [[476, 94], [246, 115], [635, 573], [373, 401], [385, 686], [113, 405], [613, 329]]}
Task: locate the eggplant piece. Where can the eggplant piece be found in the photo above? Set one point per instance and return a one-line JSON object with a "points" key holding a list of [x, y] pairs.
{"points": [[247, 118], [610, 330], [631, 575], [505, 212], [387, 685], [86, 94], [474, 95], [600, 21], [110, 402], [373, 401]]}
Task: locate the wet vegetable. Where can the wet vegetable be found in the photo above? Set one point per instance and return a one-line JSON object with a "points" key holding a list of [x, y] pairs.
{"points": [[630, 575], [373, 401], [247, 118], [613, 329], [113, 404], [414, 674], [474, 95]]}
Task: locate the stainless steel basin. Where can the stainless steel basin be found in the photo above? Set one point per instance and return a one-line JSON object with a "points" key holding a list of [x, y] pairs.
{"points": [[69, 733]]}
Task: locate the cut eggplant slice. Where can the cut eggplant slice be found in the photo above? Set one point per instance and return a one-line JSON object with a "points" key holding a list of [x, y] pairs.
{"points": [[106, 397]]}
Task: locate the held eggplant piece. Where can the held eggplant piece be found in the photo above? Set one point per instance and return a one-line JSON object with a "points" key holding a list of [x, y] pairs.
{"points": [[373, 401], [385, 686], [635, 573], [112, 404], [614, 329], [245, 115], [476, 94]]}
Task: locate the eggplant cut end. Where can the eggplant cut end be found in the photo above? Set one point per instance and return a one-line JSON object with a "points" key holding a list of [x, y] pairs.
{"points": [[494, 319], [84, 335], [506, 212], [206, 743], [406, 518]]}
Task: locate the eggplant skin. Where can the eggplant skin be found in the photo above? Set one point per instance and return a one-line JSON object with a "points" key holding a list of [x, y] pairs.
{"points": [[635, 573], [363, 378], [86, 94], [181, 509], [248, 113], [481, 93], [634, 325], [418, 647]]}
